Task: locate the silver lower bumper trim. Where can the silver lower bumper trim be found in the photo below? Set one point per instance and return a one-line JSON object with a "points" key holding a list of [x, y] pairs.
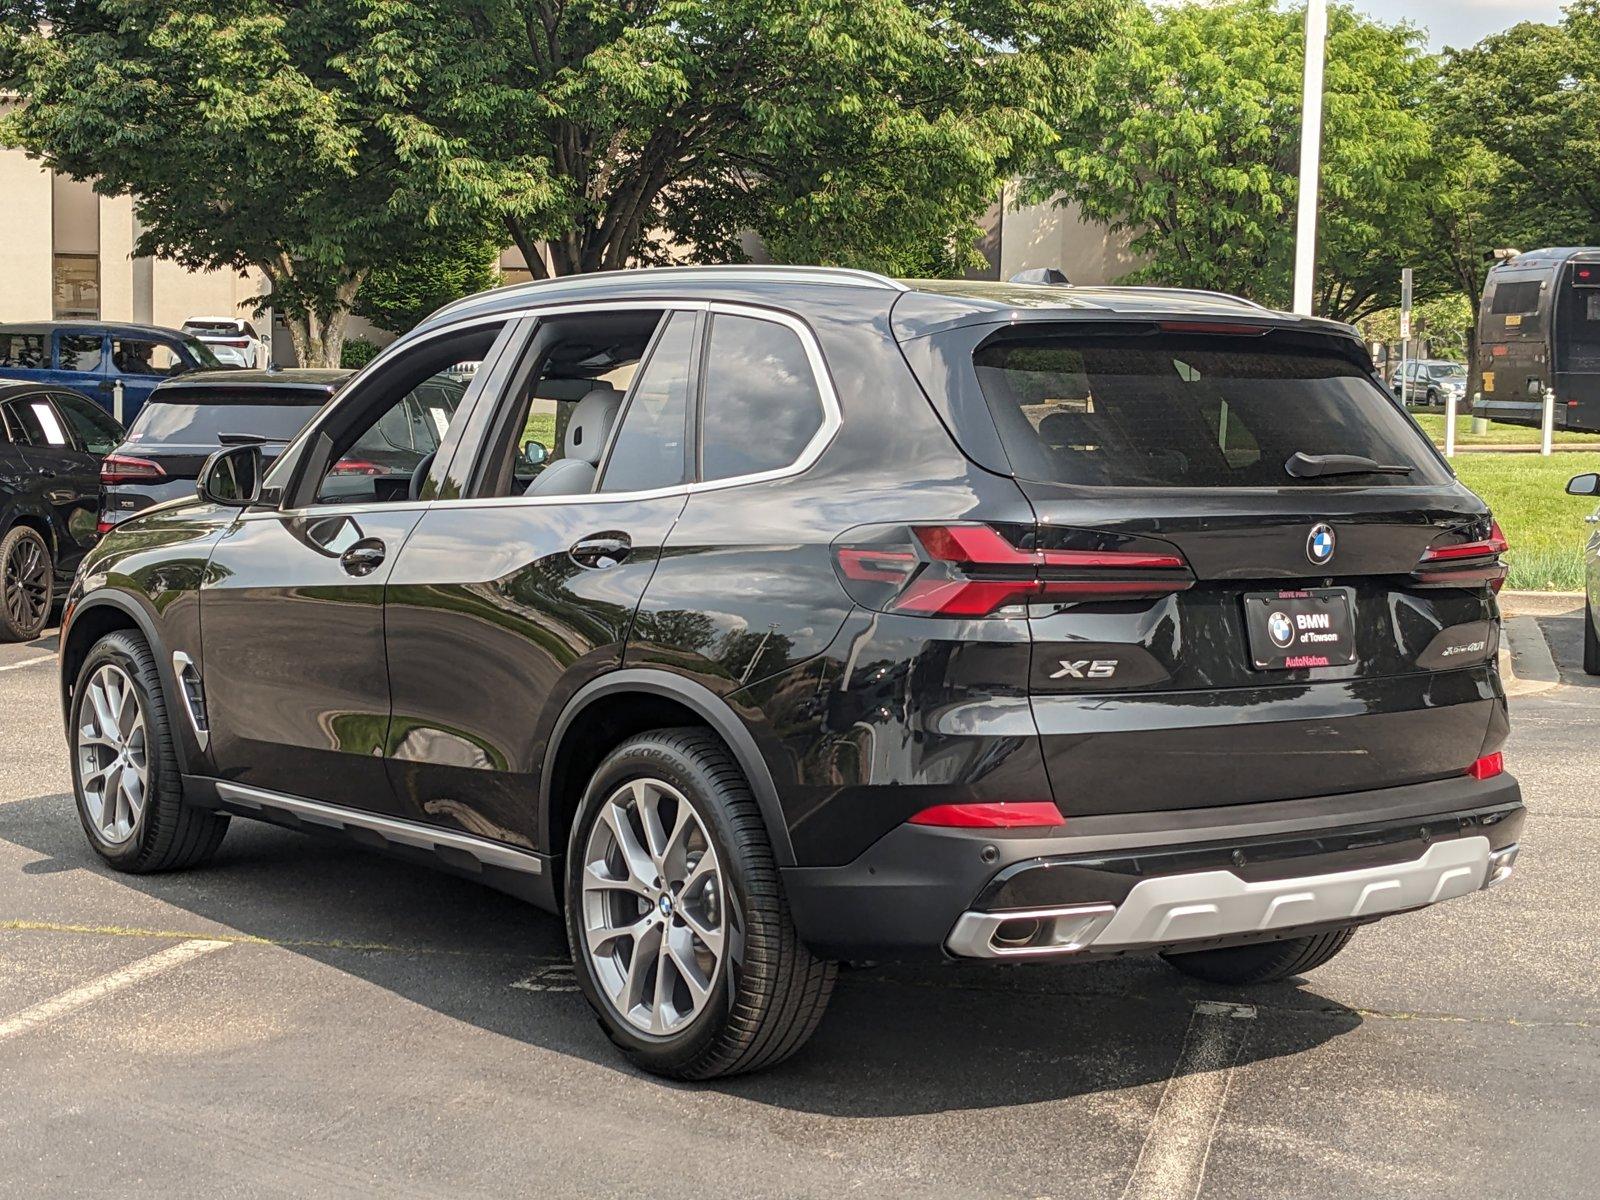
{"points": [[1210, 904]]}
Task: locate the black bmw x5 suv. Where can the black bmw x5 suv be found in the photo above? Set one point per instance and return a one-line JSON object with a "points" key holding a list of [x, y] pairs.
{"points": [[758, 619]]}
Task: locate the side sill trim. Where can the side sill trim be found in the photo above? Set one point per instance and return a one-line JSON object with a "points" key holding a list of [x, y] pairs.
{"points": [[390, 829]]}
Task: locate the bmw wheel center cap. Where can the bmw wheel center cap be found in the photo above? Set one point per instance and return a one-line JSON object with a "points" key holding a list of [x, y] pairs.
{"points": [[1319, 544]]}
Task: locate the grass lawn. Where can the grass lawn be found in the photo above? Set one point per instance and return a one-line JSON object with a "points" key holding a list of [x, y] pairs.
{"points": [[1544, 525], [1499, 435]]}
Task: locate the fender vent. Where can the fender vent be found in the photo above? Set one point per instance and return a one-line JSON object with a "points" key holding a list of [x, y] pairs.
{"points": [[194, 696]]}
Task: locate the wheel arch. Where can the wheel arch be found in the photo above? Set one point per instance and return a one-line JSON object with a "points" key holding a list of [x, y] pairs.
{"points": [[632, 700], [105, 612]]}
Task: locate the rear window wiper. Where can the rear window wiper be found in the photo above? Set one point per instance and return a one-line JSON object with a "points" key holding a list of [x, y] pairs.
{"points": [[1313, 466], [246, 439]]}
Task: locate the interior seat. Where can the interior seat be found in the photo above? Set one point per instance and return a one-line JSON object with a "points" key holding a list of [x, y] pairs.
{"points": [[573, 473]]}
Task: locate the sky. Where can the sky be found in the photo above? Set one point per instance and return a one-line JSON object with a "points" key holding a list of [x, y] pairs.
{"points": [[1461, 22]]}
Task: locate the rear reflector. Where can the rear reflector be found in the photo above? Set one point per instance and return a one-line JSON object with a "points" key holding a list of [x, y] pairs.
{"points": [[1488, 766], [120, 468], [1006, 814]]}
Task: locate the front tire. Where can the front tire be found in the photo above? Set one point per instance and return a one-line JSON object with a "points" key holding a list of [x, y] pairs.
{"points": [[680, 933], [124, 769], [27, 584], [1263, 962]]}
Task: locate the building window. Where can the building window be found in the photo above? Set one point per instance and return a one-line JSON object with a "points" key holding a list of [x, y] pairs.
{"points": [[77, 287]]}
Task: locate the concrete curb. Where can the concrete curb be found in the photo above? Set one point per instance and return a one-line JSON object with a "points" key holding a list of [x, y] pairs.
{"points": [[1526, 665]]}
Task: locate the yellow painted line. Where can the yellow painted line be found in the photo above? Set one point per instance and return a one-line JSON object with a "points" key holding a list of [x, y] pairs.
{"points": [[75, 998]]}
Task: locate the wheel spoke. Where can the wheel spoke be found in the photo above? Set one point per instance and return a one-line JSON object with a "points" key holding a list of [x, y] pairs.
{"points": [[647, 800], [646, 952], [132, 788], [710, 936], [105, 720], [634, 855], [680, 946], [127, 714], [600, 940], [594, 879]]}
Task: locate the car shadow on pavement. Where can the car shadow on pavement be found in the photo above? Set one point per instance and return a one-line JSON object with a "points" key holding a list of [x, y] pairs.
{"points": [[1564, 632], [897, 1040]]}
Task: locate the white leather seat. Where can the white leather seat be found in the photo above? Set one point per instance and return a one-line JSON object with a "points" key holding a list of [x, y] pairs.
{"points": [[573, 473]]}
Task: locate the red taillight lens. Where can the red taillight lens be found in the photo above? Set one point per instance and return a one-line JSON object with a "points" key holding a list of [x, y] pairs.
{"points": [[120, 468], [1006, 814], [103, 527], [355, 466], [1465, 564], [1488, 766], [976, 570]]}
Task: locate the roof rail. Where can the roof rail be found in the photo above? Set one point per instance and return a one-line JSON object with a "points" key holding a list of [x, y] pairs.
{"points": [[1211, 292]]}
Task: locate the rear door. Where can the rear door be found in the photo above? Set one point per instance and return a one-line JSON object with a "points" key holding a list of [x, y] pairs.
{"points": [[1249, 628], [79, 363], [67, 477]]}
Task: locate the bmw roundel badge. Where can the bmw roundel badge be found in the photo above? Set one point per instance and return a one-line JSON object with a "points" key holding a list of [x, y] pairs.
{"points": [[1319, 544]]}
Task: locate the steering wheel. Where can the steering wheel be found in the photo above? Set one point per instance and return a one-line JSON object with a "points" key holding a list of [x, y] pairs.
{"points": [[420, 476]]}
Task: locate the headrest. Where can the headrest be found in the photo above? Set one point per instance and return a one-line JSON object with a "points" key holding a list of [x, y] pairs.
{"points": [[591, 421], [1070, 429]]}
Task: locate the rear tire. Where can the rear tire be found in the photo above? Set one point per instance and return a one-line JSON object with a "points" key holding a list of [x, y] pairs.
{"points": [[749, 993], [1264, 962], [1591, 642], [125, 774], [27, 584]]}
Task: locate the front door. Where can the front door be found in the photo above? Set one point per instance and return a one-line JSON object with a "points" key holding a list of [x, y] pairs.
{"points": [[505, 602], [291, 607], [80, 364]]}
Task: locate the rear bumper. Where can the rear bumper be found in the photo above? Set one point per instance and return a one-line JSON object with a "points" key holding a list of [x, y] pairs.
{"points": [[1152, 881]]}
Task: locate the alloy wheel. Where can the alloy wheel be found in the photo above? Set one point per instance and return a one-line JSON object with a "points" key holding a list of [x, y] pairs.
{"points": [[113, 753], [654, 908], [27, 584]]}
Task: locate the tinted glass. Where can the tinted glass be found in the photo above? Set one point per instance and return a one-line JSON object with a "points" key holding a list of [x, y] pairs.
{"points": [[96, 431], [29, 350], [34, 423], [649, 448], [78, 351], [137, 356], [1188, 412], [379, 465], [198, 421], [760, 404], [1521, 296]]}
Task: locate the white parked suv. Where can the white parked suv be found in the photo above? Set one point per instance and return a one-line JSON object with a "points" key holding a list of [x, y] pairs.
{"points": [[232, 339]]}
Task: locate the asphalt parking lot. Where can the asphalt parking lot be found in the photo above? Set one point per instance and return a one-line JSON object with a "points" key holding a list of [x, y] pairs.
{"points": [[303, 1018]]}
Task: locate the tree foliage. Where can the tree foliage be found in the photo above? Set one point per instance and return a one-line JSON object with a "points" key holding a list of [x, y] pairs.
{"points": [[310, 140], [1190, 142], [398, 295]]}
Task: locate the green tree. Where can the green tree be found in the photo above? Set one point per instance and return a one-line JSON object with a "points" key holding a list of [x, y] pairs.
{"points": [[857, 134], [1189, 143], [397, 296], [309, 140]]}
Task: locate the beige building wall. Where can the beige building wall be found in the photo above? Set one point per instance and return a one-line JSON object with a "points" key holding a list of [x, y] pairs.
{"points": [[116, 259], [1045, 235], [25, 238]]}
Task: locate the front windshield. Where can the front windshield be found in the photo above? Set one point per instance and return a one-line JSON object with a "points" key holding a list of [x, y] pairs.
{"points": [[1451, 371]]}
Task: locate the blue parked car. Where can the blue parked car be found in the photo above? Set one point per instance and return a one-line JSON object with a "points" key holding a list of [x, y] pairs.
{"points": [[92, 357]]}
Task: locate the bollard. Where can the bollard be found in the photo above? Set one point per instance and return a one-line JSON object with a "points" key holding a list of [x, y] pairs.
{"points": [[116, 402], [1450, 425], [1548, 422]]}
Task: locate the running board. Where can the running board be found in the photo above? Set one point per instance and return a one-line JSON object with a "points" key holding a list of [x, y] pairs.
{"points": [[455, 849]]}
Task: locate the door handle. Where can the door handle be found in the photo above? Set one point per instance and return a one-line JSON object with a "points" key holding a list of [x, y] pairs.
{"points": [[364, 557], [600, 550]]}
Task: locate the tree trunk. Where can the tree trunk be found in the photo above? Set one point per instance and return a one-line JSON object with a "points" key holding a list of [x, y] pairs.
{"points": [[318, 338]]}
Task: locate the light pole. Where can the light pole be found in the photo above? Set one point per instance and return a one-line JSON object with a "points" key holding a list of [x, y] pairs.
{"points": [[1305, 238]]}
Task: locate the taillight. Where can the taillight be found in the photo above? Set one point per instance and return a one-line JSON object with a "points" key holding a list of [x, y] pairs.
{"points": [[1465, 564], [973, 570], [1488, 766], [103, 527], [355, 466], [1005, 814], [120, 468]]}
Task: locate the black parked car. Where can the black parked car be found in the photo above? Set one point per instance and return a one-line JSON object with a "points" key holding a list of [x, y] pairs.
{"points": [[51, 443], [762, 618], [187, 419]]}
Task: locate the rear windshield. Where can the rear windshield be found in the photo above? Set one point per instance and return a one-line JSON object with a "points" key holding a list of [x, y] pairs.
{"points": [[1189, 411], [200, 421]]}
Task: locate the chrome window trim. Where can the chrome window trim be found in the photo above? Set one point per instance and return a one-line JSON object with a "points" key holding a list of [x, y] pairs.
{"points": [[832, 415]]}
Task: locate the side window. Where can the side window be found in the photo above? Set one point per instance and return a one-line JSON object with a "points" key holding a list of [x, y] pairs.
{"points": [[1518, 296], [140, 356], [96, 431], [27, 351], [34, 423], [760, 405], [648, 451], [78, 351]]}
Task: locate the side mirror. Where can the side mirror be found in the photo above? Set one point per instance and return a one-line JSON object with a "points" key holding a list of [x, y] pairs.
{"points": [[1584, 485], [534, 453], [231, 477]]}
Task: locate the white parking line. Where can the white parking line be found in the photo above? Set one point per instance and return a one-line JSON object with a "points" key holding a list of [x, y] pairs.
{"points": [[1172, 1162], [48, 1010], [29, 662]]}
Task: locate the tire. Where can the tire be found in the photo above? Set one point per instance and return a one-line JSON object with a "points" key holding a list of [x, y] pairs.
{"points": [[27, 584], [155, 830], [762, 994], [1591, 642], [1264, 962], [1433, 399]]}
